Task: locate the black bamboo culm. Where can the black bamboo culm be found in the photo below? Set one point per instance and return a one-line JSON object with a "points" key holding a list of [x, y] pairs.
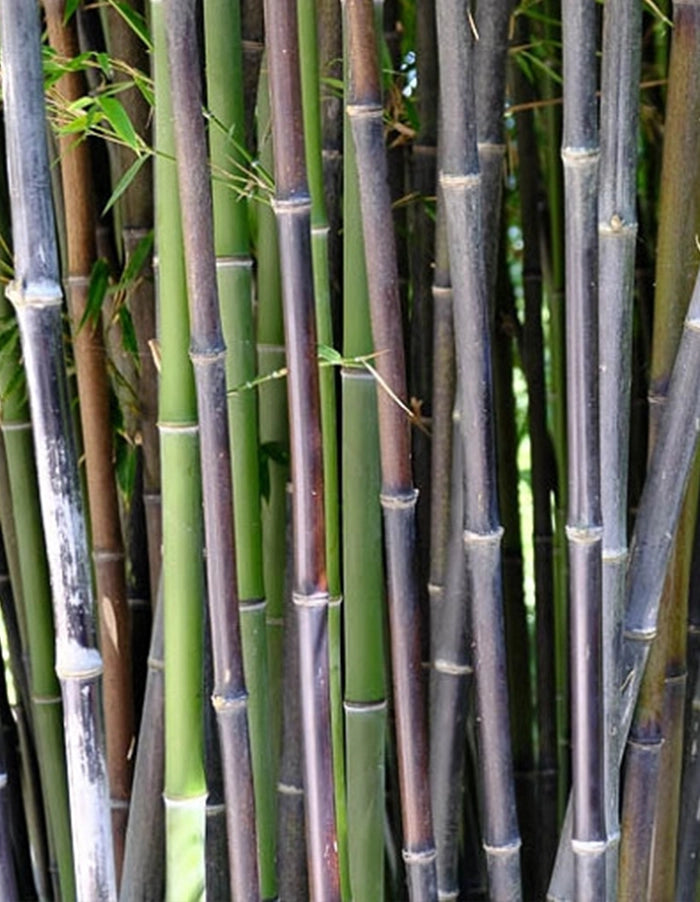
{"points": [[293, 211], [461, 183], [398, 497], [584, 526], [37, 297], [617, 231], [207, 351], [652, 540]]}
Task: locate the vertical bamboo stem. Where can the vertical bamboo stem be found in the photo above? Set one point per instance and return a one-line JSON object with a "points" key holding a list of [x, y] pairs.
{"points": [[184, 791], [461, 182], [36, 295], [293, 211], [398, 497], [207, 351]]}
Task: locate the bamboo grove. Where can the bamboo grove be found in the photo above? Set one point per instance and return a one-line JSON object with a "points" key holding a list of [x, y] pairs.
{"points": [[349, 403]]}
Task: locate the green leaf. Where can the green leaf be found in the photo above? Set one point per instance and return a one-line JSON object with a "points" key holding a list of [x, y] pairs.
{"points": [[125, 466], [129, 342], [71, 7], [118, 119], [330, 355], [124, 182], [137, 259], [97, 289], [135, 20]]}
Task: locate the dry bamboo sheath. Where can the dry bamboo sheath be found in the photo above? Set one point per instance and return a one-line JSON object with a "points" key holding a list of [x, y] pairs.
{"points": [[36, 294]]}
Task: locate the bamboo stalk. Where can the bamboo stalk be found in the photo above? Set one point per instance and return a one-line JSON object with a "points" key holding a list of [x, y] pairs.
{"points": [[541, 457], [363, 572], [617, 234], [235, 283], [144, 853], [398, 497], [291, 843], [461, 183], [93, 389], [320, 250], [293, 212], [689, 822], [584, 526], [8, 880], [184, 792], [36, 295], [273, 419], [207, 351]]}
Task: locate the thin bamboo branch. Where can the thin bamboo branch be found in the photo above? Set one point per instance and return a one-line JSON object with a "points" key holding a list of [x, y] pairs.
{"points": [[398, 497], [37, 297], [207, 351]]}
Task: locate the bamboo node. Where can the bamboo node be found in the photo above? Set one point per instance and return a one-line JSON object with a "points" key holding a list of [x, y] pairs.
{"points": [[579, 156], [505, 849], [289, 790], [226, 703], [312, 600], [424, 856], [154, 663], [434, 590], [588, 846], [584, 535], [3, 781], [482, 538], [335, 601], [42, 293], [451, 668], [16, 427], [76, 662], [252, 605], [214, 810], [46, 699], [488, 148], [293, 205], [640, 634], [185, 801], [470, 180], [364, 707], [244, 263], [399, 501], [364, 110]]}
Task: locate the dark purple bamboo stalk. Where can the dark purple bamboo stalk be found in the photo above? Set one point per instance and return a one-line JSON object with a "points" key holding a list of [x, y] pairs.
{"points": [[617, 232], [292, 209], [398, 497], [207, 351], [584, 525], [461, 183]]}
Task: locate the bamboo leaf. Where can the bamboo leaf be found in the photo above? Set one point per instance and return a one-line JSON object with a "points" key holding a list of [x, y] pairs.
{"points": [[125, 466], [135, 21], [97, 291], [124, 182], [119, 120], [129, 342], [137, 260]]}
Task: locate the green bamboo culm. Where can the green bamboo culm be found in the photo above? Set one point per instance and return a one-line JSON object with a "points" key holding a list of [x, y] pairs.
{"points": [[273, 418], [398, 497], [37, 297], [363, 571], [224, 66], [207, 352], [183, 578]]}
